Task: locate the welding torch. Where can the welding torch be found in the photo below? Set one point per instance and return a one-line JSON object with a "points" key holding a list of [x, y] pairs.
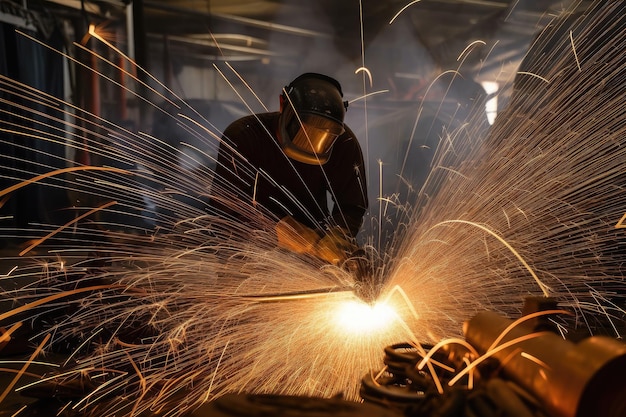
{"points": [[334, 247]]}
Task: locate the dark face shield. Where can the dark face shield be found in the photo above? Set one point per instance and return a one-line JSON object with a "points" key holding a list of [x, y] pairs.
{"points": [[312, 118], [309, 138]]}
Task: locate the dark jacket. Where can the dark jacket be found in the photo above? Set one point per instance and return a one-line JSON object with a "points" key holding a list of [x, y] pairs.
{"points": [[253, 173]]}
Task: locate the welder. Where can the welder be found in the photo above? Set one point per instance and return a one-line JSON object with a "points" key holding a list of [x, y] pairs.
{"points": [[286, 164]]}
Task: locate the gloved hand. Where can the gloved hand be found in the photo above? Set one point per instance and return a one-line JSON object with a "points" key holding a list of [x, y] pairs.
{"points": [[335, 246], [295, 236]]}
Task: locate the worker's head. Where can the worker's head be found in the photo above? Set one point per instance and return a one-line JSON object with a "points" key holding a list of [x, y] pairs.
{"points": [[311, 117]]}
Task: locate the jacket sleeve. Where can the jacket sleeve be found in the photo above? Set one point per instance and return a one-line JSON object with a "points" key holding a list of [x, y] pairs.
{"points": [[348, 183]]}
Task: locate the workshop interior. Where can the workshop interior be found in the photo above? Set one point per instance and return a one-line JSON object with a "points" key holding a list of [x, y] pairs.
{"points": [[486, 279]]}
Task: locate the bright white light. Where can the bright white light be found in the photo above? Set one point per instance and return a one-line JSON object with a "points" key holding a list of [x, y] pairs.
{"points": [[491, 107], [359, 317]]}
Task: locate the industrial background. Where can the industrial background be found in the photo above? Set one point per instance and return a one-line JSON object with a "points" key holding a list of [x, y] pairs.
{"points": [[448, 57], [270, 41], [120, 264]]}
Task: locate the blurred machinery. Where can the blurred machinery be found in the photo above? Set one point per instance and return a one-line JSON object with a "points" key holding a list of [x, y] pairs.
{"points": [[520, 368]]}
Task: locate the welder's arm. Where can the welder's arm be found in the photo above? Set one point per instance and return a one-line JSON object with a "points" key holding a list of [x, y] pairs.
{"points": [[347, 183], [333, 247], [336, 248], [296, 237]]}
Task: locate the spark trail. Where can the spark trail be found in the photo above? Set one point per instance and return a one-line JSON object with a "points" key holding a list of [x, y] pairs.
{"points": [[548, 179], [167, 317]]}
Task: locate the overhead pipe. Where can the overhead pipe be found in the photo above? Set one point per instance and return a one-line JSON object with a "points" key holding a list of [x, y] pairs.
{"points": [[239, 19]]}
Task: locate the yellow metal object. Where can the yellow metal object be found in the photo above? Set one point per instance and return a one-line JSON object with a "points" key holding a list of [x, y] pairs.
{"points": [[584, 379]]}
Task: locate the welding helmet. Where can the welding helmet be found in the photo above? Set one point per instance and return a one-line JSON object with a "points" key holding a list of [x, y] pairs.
{"points": [[311, 119]]}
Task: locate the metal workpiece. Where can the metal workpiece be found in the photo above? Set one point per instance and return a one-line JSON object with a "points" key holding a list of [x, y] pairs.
{"points": [[260, 405], [584, 379]]}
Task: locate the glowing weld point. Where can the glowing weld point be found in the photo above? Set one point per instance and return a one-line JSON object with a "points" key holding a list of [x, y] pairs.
{"points": [[359, 317]]}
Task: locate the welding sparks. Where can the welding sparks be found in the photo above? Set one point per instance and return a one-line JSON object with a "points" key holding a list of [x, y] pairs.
{"points": [[402, 10], [195, 305]]}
